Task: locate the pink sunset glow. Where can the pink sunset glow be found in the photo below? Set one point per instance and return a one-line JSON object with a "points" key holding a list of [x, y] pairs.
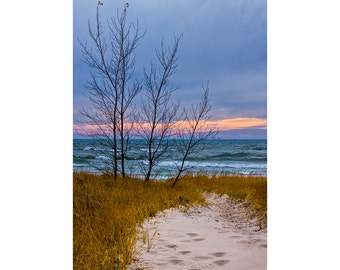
{"points": [[222, 125]]}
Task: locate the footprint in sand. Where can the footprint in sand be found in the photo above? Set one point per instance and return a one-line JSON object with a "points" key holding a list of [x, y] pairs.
{"points": [[176, 261], [184, 252], [221, 262], [192, 234], [172, 246], [250, 241], [198, 239], [218, 254]]}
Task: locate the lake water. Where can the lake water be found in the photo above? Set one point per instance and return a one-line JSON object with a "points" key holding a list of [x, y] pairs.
{"points": [[215, 156]]}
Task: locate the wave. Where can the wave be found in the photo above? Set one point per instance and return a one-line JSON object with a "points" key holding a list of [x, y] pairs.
{"points": [[101, 157], [110, 157], [78, 165], [221, 155], [83, 158], [231, 155], [191, 164], [259, 148], [97, 149]]}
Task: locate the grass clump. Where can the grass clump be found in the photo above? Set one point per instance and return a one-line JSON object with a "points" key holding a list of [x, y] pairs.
{"points": [[252, 189], [106, 213]]}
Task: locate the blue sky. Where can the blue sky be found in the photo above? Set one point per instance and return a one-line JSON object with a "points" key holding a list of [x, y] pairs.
{"points": [[224, 42]]}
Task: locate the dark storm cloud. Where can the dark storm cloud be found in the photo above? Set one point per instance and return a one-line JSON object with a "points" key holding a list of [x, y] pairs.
{"points": [[224, 42]]}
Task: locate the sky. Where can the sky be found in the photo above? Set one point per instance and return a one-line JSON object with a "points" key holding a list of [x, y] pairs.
{"points": [[223, 42]]}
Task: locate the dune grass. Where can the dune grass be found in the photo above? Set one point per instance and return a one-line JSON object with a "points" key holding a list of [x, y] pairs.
{"points": [[107, 213], [252, 189]]}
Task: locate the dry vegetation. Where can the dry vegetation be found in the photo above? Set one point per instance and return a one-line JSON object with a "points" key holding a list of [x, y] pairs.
{"points": [[106, 213]]}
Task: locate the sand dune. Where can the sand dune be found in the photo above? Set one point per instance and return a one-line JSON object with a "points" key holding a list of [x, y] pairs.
{"points": [[221, 235]]}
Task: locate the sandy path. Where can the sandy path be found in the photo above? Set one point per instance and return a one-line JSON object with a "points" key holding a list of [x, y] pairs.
{"points": [[219, 236]]}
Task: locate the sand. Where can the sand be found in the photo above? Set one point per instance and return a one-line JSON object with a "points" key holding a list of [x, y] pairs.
{"points": [[221, 235]]}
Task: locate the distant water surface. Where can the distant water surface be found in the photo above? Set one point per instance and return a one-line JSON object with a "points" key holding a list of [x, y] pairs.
{"points": [[216, 156]]}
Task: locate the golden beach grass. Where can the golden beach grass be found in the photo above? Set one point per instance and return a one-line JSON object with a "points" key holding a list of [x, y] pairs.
{"points": [[107, 213]]}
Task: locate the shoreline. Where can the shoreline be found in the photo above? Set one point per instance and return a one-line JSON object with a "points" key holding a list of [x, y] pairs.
{"points": [[222, 234]]}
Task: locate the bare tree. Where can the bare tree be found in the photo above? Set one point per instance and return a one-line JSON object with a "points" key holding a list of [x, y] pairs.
{"points": [[158, 113], [110, 89], [124, 44], [193, 131]]}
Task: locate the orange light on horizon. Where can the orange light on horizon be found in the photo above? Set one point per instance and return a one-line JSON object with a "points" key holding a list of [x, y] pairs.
{"points": [[238, 123], [224, 124]]}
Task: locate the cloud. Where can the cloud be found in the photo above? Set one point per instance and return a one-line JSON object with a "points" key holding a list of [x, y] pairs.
{"points": [[224, 42]]}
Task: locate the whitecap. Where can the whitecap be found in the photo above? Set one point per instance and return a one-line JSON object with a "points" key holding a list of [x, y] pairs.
{"points": [[102, 157]]}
